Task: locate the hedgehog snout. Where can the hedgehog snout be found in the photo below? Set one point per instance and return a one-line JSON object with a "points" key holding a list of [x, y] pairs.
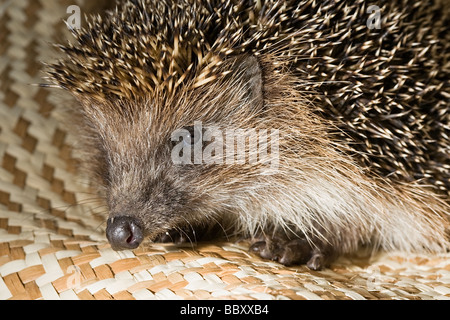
{"points": [[124, 232]]}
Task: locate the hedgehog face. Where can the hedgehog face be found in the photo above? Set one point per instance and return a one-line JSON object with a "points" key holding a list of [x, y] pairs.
{"points": [[152, 174]]}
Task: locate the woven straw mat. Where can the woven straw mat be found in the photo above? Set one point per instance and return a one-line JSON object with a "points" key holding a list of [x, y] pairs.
{"points": [[52, 230]]}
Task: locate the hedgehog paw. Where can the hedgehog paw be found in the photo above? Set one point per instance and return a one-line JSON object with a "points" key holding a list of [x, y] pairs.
{"points": [[176, 236], [292, 252]]}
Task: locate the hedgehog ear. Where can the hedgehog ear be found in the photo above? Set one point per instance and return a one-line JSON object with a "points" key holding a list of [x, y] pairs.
{"points": [[248, 68]]}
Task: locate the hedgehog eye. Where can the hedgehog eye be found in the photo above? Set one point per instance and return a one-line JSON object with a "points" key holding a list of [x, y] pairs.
{"points": [[192, 135], [187, 137]]}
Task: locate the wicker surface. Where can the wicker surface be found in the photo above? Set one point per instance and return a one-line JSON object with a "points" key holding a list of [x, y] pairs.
{"points": [[52, 243]]}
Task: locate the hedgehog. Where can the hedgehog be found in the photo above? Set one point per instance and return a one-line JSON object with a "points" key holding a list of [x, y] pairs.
{"points": [[357, 113]]}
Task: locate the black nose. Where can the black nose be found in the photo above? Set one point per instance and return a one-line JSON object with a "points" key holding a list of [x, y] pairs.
{"points": [[124, 232]]}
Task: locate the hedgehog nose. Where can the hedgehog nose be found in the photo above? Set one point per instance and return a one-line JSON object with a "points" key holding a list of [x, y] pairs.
{"points": [[124, 232]]}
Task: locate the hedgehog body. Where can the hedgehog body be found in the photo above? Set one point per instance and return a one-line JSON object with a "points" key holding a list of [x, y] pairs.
{"points": [[362, 119]]}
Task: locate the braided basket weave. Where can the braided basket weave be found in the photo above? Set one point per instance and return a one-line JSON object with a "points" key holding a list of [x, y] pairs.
{"points": [[52, 241]]}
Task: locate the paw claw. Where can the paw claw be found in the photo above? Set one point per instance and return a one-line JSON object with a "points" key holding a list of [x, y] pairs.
{"points": [[316, 262], [175, 236], [164, 238], [257, 247]]}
